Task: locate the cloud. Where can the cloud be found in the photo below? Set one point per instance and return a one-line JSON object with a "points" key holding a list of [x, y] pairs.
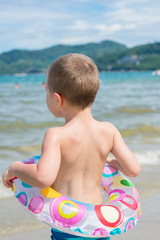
{"points": [[80, 25], [71, 40], [37, 24], [18, 14], [136, 12], [104, 28]]}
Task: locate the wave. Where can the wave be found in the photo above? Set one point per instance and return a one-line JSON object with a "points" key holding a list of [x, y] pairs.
{"points": [[134, 110], [23, 149], [151, 158], [143, 129], [22, 125], [5, 192]]}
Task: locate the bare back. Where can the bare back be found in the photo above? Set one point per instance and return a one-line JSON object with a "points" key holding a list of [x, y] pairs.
{"points": [[84, 150]]}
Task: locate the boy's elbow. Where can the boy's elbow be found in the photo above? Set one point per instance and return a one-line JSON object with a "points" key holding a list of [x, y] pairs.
{"points": [[42, 185], [44, 182], [136, 172]]}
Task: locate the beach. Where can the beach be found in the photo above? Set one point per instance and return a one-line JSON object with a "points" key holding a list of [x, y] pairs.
{"points": [[129, 100]]}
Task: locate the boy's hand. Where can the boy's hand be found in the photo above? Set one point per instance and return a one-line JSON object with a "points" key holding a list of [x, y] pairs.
{"points": [[6, 177], [114, 164]]}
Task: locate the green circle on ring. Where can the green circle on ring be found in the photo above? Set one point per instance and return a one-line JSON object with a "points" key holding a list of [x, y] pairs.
{"points": [[126, 183]]}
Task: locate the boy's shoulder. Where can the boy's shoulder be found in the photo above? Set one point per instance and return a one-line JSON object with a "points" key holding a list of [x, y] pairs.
{"points": [[108, 127], [59, 133], [54, 131], [104, 125]]}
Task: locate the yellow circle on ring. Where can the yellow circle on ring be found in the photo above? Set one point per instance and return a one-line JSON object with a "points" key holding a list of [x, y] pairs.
{"points": [[139, 210], [66, 215], [113, 197]]}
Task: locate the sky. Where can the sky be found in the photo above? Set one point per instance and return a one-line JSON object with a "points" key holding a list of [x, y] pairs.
{"points": [[38, 24]]}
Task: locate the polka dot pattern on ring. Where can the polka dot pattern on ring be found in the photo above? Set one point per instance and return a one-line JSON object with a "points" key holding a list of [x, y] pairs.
{"points": [[36, 205], [100, 232], [126, 183], [13, 188], [109, 171], [120, 211], [66, 211], [22, 198], [130, 223], [116, 195], [109, 215], [50, 193]]}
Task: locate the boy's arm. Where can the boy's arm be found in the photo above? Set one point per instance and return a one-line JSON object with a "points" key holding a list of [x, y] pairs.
{"points": [[125, 160], [44, 173]]}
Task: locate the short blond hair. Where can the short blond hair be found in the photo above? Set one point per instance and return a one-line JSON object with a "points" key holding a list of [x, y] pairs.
{"points": [[74, 77]]}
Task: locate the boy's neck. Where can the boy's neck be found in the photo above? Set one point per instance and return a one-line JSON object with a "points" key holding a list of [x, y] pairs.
{"points": [[77, 114]]}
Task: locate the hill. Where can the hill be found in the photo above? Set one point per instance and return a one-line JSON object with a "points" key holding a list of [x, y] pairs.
{"points": [[18, 61], [144, 57], [108, 55]]}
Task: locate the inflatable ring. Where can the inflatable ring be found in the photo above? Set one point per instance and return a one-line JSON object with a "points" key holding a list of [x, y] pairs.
{"points": [[120, 211]]}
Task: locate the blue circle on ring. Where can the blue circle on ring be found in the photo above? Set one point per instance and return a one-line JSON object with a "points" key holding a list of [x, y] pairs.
{"points": [[23, 193], [26, 185], [128, 222], [109, 175], [115, 231]]}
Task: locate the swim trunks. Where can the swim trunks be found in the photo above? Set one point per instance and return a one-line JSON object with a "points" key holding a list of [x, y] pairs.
{"points": [[58, 235]]}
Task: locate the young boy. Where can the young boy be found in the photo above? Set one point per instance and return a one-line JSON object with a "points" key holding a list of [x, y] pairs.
{"points": [[73, 156]]}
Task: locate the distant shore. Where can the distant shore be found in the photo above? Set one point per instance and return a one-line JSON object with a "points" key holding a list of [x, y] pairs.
{"points": [[108, 56], [23, 74]]}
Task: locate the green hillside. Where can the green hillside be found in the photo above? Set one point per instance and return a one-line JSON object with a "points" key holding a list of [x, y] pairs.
{"points": [[18, 61], [144, 57], [108, 55]]}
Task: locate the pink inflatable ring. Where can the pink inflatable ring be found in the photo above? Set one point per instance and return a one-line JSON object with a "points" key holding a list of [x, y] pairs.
{"points": [[119, 212]]}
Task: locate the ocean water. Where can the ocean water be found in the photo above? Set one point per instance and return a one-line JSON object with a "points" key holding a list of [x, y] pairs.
{"points": [[130, 100]]}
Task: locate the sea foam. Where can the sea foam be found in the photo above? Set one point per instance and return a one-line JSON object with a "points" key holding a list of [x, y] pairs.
{"points": [[5, 192], [148, 157]]}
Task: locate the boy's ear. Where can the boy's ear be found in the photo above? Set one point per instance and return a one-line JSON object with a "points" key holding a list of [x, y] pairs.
{"points": [[59, 99]]}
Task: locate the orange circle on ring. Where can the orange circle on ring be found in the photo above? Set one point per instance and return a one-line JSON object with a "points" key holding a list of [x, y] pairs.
{"points": [[50, 193], [13, 188]]}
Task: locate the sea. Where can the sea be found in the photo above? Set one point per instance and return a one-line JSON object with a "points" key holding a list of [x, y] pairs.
{"points": [[129, 100]]}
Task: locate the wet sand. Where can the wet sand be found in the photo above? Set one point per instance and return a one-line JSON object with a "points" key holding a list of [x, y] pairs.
{"points": [[147, 228]]}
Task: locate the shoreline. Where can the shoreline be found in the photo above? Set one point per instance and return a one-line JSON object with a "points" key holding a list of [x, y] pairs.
{"points": [[147, 227], [24, 74]]}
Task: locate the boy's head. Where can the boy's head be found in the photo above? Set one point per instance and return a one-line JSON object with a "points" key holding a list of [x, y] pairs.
{"points": [[74, 77]]}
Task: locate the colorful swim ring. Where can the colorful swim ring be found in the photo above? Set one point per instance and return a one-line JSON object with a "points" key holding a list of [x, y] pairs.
{"points": [[119, 212]]}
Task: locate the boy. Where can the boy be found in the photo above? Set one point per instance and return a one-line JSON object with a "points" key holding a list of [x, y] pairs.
{"points": [[74, 153]]}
